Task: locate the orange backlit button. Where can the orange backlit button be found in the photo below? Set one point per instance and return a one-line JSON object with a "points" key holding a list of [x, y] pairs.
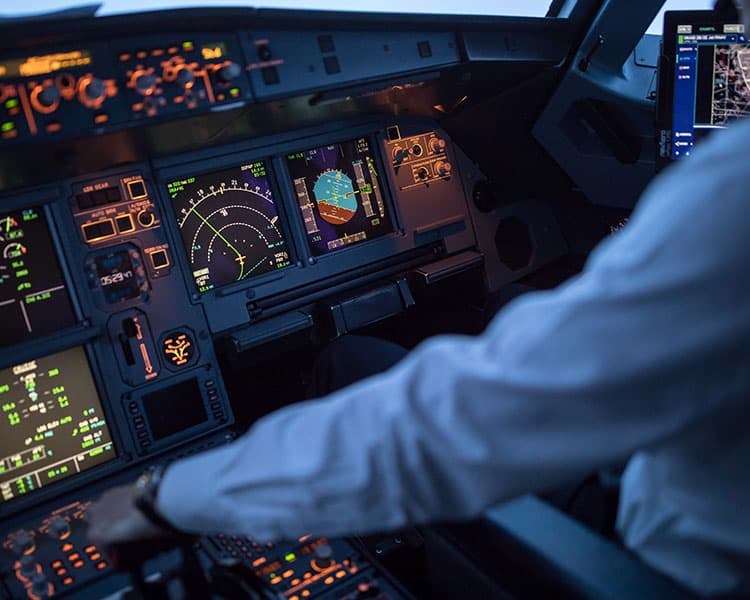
{"points": [[288, 573], [101, 118], [61, 572], [89, 549], [102, 565], [57, 564], [305, 593], [259, 561], [307, 575], [78, 564], [340, 574], [124, 57], [68, 580], [275, 580], [53, 127], [328, 580], [95, 556], [294, 598], [66, 548], [74, 557], [296, 581]]}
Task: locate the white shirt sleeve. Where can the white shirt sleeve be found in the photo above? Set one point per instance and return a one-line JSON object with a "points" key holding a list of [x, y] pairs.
{"points": [[623, 357]]}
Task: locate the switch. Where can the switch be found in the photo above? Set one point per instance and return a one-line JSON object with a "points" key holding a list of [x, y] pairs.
{"points": [[146, 218], [270, 75], [159, 259], [425, 50], [325, 43], [264, 52], [331, 64]]}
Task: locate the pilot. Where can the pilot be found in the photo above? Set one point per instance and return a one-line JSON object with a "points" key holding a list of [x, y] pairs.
{"points": [[644, 356]]}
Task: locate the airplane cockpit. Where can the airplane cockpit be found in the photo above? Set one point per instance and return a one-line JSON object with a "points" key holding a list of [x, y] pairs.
{"points": [[197, 199]]}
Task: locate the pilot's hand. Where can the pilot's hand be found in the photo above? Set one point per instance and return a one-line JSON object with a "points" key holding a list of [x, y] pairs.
{"points": [[114, 519]]}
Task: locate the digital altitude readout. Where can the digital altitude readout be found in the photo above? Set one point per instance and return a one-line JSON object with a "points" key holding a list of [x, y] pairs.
{"points": [[229, 225], [339, 195]]}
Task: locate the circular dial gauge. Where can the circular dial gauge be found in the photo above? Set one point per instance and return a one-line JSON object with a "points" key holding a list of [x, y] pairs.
{"points": [[230, 228]]}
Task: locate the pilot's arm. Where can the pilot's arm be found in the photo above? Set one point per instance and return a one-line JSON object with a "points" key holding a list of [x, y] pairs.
{"points": [[631, 354]]}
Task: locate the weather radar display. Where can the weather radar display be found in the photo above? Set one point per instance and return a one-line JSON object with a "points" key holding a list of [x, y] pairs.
{"points": [[229, 225], [339, 195]]}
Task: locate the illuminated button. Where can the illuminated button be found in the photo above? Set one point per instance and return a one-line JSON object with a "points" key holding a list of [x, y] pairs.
{"points": [[53, 127], [74, 557], [295, 581], [57, 564], [66, 548], [307, 575], [159, 259], [290, 557], [78, 564], [179, 349], [294, 598], [259, 561], [89, 549], [93, 232], [102, 565], [61, 572], [328, 580], [340, 574], [125, 223], [137, 189], [275, 580], [125, 57], [288, 573], [101, 118], [67, 581], [95, 556], [305, 593]]}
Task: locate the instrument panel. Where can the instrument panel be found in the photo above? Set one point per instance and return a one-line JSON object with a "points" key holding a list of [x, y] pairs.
{"points": [[120, 286]]}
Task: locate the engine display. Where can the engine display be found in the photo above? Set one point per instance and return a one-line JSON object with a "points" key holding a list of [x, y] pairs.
{"points": [[229, 225], [339, 195], [33, 297], [52, 426]]}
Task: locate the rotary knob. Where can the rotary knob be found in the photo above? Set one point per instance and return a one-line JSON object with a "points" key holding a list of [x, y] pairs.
{"points": [[94, 89], [29, 565], [185, 77], [49, 96], [437, 145], [23, 543], [443, 168], [323, 557], [40, 585], [59, 528], [145, 84], [228, 72]]}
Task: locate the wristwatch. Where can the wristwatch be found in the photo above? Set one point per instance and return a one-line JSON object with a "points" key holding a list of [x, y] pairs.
{"points": [[145, 492]]}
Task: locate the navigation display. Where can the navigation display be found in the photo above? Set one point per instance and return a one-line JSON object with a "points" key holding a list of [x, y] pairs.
{"points": [[339, 195], [705, 80], [52, 426], [33, 298], [229, 225]]}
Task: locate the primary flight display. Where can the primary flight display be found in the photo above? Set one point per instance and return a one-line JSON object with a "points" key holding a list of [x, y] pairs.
{"points": [[339, 195]]}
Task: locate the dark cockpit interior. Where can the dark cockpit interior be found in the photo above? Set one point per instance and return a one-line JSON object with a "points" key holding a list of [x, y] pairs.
{"points": [[196, 201]]}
